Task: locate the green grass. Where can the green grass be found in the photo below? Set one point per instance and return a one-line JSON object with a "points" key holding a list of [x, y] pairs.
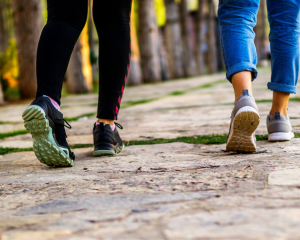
{"points": [[77, 146], [208, 85], [14, 133], [263, 101], [262, 137], [13, 150], [10, 123], [81, 116], [205, 139], [294, 99], [139, 102], [178, 93]]}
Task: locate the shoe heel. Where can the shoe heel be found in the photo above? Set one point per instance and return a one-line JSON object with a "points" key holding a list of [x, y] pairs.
{"points": [[280, 137], [105, 149], [45, 147], [243, 126], [33, 112]]}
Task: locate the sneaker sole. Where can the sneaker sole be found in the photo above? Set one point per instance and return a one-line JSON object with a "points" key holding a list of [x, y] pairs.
{"points": [[108, 152], [44, 146], [281, 136], [245, 123]]}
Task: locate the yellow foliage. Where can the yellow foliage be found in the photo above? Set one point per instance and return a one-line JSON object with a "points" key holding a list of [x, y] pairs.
{"points": [[160, 12], [85, 51], [9, 68], [192, 5], [12, 82]]}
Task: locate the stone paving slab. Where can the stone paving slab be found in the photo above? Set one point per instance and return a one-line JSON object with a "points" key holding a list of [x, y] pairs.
{"points": [[167, 191]]}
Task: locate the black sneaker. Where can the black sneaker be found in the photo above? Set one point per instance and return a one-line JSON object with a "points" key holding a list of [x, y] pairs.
{"points": [[107, 141], [46, 124]]}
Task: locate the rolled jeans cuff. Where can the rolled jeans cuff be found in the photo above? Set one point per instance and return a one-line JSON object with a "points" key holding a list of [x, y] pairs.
{"points": [[241, 67], [282, 87]]}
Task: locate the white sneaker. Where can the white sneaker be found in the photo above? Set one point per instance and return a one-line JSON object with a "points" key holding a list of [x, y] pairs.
{"points": [[279, 128]]}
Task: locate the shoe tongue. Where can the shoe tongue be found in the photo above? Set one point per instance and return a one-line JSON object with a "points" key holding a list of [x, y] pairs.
{"points": [[245, 92]]}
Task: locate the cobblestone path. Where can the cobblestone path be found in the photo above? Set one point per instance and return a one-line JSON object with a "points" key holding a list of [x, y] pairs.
{"points": [[185, 188]]}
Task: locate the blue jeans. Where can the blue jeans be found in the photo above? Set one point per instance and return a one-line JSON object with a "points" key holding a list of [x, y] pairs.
{"points": [[237, 19]]}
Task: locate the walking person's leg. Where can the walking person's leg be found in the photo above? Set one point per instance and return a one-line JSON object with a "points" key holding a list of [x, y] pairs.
{"points": [[237, 20], [112, 20], [43, 118], [284, 18]]}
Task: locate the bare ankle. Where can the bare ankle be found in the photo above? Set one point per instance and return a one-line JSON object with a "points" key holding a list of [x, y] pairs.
{"points": [[241, 81], [280, 103], [106, 121], [281, 111]]}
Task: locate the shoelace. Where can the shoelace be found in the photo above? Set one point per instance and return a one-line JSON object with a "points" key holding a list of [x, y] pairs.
{"points": [[118, 125], [68, 125]]}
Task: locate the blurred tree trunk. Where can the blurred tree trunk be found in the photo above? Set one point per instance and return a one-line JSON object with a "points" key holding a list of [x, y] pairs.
{"points": [[199, 38], [260, 30], [148, 42], [173, 40], [135, 72], [1, 95], [3, 34], [221, 63], [93, 50], [3, 43], [163, 56], [190, 64], [28, 23], [8, 19], [79, 73], [212, 63]]}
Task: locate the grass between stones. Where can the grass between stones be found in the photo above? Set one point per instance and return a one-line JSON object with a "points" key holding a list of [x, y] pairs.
{"points": [[205, 139], [13, 150], [139, 102], [81, 116], [14, 133], [208, 85], [1, 123]]}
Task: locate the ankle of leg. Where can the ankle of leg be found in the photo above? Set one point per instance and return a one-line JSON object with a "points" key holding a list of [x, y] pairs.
{"points": [[106, 121]]}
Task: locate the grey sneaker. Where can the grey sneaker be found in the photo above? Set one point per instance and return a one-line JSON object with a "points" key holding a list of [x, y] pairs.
{"points": [[279, 128], [244, 121]]}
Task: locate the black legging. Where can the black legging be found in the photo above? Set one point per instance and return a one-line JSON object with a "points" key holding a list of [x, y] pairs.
{"points": [[66, 19]]}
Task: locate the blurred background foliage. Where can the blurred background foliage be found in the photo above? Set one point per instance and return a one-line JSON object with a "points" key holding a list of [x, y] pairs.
{"points": [[171, 39]]}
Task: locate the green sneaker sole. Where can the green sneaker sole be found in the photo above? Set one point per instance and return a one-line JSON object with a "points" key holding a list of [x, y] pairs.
{"points": [[44, 146], [108, 152]]}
